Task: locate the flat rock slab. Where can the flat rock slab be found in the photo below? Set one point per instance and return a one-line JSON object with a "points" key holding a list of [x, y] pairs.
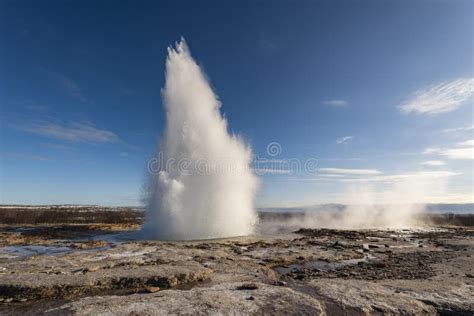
{"points": [[226, 299], [398, 298]]}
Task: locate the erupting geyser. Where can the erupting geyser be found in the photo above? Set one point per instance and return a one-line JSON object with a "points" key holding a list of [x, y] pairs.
{"points": [[204, 186]]}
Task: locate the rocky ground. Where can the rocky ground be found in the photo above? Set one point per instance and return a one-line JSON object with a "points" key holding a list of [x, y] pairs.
{"points": [[101, 269]]}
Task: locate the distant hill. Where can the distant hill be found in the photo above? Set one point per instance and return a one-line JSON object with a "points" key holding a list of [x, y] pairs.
{"points": [[467, 208]]}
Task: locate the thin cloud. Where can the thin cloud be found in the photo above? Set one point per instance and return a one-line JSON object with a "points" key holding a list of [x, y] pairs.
{"points": [[433, 163], [344, 140], [376, 177], [432, 150], [336, 103], [349, 172], [458, 129], [67, 84], [414, 176], [33, 107], [262, 171], [341, 159], [467, 143], [55, 146], [444, 97], [462, 153], [459, 153], [16, 155], [79, 132], [71, 87], [394, 178]]}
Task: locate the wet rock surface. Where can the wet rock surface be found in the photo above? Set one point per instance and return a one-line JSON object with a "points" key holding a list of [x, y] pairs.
{"points": [[101, 269]]}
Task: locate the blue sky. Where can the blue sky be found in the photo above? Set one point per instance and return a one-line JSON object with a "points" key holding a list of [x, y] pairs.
{"points": [[379, 92]]}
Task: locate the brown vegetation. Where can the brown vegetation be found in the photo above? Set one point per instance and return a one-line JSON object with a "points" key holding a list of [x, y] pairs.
{"points": [[68, 215]]}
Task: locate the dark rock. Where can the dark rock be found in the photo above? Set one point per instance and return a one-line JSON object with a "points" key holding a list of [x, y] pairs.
{"points": [[248, 286]]}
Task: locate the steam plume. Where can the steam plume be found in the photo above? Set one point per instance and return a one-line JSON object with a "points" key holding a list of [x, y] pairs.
{"points": [[399, 205], [213, 196]]}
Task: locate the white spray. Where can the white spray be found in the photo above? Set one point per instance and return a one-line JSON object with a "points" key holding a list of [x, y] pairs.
{"points": [[204, 186]]}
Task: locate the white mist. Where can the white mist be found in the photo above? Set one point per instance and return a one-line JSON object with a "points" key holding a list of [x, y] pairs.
{"points": [[204, 187]]}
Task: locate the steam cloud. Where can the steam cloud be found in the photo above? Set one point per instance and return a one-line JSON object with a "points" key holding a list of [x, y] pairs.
{"points": [[396, 205], [193, 204]]}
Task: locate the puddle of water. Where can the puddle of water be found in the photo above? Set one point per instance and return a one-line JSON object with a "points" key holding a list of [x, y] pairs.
{"points": [[24, 229], [11, 252], [118, 237], [323, 266], [33, 250]]}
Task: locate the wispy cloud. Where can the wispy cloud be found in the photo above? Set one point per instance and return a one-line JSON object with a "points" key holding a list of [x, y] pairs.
{"points": [[344, 140], [341, 159], [467, 143], [67, 84], [443, 97], [16, 155], [414, 176], [454, 153], [433, 163], [375, 176], [81, 132], [348, 172], [71, 87], [336, 103], [55, 146], [458, 129], [34, 107], [431, 150], [459, 153], [393, 178], [262, 171]]}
